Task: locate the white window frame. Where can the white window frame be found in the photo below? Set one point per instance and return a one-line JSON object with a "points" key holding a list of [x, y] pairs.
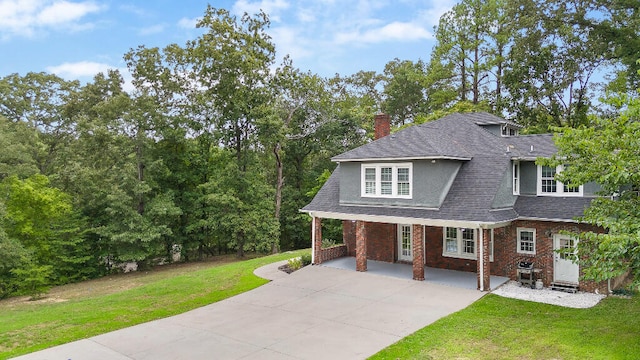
{"points": [[508, 131], [378, 180], [515, 174], [459, 253], [519, 241], [560, 190]]}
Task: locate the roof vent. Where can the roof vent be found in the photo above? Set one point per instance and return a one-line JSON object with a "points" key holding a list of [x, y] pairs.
{"points": [[531, 150]]}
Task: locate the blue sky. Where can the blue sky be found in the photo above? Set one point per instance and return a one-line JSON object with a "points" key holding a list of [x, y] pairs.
{"points": [[75, 39]]}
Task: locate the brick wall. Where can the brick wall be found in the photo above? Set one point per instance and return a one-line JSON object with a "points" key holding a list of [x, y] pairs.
{"points": [[349, 236], [334, 252], [506, 255], [381, 240], [434, 258]]}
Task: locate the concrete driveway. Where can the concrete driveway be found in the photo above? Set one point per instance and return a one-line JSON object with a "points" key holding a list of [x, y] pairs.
{"points": [[315, 313]]}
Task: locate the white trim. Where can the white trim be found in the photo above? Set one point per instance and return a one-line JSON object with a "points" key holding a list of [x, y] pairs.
{"points": [[408, 158], [399, 237], [551, 220], [518, 241], [377, 167], [491, 247], [460, 254], [408, 220], [313, 239], [480, 240], [515, 178], [559, 185]]}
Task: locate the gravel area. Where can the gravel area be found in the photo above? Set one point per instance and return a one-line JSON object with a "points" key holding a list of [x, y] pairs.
{"points": [[512, 289]]}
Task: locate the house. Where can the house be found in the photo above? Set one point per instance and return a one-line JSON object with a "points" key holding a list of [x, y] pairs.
{"points": [[462, 193]]}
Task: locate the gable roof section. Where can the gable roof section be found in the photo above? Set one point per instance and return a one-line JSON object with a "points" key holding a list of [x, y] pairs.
{"points": [[483, 118]]}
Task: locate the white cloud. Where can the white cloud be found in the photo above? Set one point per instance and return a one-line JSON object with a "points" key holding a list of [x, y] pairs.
{"points": [[395, 31], [80, 69], [27, 17], [270, 7], [187, 23], [87, 70]]}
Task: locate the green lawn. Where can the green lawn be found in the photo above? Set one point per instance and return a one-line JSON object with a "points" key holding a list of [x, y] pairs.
{"points": [[499, 328], [26, 326]]}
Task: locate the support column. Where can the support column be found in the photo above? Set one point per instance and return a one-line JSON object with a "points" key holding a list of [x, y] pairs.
{"points": [[316, 237], [361, 247], [417, 245], [484, 265]]}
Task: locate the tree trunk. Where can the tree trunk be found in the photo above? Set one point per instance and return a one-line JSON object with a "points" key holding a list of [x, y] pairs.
{"points": [[275, 248]]}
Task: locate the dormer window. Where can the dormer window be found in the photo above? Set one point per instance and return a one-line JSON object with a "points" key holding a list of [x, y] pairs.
{"points": [[509, 131], [387, 180], [549, 186]]}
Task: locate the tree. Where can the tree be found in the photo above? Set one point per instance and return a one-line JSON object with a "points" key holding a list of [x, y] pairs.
{"points": [[607, 153], [231, 65], [42, 219], [405, 93], [552, 65], [469, 54]]}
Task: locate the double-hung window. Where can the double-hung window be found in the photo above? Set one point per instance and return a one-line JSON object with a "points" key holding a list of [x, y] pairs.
{"points": [[459, 242], [549, 186], [387, 180], [526, 241]]}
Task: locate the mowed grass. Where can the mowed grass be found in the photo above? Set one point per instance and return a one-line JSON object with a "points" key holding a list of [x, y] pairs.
{"points": [[500, 328], [91, 310]]}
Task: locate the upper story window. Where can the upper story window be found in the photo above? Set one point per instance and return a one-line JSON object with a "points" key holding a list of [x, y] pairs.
{"points": [[387, 180], [549, 186], [509, 131]]}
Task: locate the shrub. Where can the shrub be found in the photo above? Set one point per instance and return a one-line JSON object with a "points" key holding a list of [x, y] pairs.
{"points": [[327, 243], [306, 259], [295, 263]]}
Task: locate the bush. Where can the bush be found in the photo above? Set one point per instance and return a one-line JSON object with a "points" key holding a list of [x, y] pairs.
{"points": [[306, 259], [295, 263], [327, 243]]}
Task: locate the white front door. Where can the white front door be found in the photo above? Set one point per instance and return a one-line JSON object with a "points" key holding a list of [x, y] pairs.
{"points": [[565, 270], [405, 250]]}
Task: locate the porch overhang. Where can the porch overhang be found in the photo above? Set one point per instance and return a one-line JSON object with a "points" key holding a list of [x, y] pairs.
{"points": [[409, 220]]}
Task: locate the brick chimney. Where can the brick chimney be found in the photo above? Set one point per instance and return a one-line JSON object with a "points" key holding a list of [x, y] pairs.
{"points": [[382, 126]]}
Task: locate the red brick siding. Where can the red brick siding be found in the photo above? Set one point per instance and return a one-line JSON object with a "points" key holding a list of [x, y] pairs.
{"points": [[349, 236], [333, 252], [506, 255], [381, 241], [382, 246], [434, 258]]}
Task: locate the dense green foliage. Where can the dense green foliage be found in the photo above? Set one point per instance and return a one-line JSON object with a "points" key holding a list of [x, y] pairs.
{"points": [[607, 153], [500, 328], [219, 144]]}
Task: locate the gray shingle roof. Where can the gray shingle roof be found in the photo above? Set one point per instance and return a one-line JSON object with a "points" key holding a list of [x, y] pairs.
{"points": [[470, 198]]}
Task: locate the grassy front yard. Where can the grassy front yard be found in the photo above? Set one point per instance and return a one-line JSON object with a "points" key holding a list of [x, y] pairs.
{"points": [[499, 328], [95, 307]]}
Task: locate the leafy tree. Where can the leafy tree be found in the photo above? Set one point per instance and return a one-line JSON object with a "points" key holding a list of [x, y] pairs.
{"points": [[231, 64], [469, 55], [405, 93], [607, 153], [552, 65], [42, 219]]}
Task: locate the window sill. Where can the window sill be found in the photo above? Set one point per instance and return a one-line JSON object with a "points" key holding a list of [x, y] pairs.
{"points": [[460, 256]]}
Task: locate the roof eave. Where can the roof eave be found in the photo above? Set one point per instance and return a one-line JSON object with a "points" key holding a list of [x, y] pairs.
{"points": [[408, 158]]}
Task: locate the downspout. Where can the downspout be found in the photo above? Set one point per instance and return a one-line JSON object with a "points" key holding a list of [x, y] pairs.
{"points": [[313, 239], [481, 237]]}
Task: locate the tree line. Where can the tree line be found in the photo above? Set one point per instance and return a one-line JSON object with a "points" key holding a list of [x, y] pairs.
{"points": [[220, 143]]}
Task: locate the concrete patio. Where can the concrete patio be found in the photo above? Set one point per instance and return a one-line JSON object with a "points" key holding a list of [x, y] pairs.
{"points": [[460, 279]]}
